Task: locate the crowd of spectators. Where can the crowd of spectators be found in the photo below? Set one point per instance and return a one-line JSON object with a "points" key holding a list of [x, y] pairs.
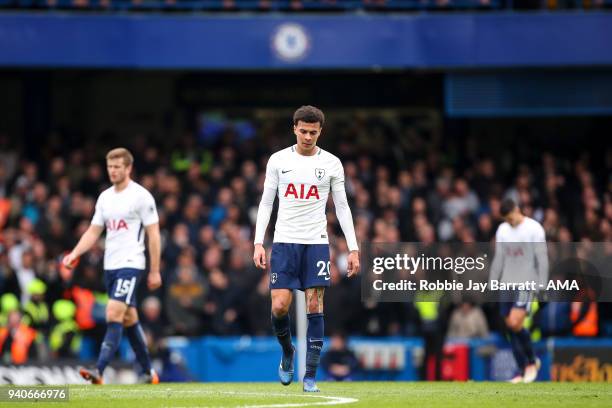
{"points": [[207, 191], [304, 5], [259, 5]]}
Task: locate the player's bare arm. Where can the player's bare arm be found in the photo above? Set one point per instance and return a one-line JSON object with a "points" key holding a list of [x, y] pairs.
{"points": [[154, 245], [88, 239], [259, 256], [353, 264]]}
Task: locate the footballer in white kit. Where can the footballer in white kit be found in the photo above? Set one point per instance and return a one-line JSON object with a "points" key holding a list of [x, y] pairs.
{"points": [[302, 176], [520, 256], [125, 215], [127, 211]]}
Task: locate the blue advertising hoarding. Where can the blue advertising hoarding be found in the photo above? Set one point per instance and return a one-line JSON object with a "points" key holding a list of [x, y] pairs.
{"points": [[321, 41]]}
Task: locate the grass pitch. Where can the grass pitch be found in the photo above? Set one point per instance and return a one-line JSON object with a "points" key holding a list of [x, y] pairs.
{"points": [[356, 394]]}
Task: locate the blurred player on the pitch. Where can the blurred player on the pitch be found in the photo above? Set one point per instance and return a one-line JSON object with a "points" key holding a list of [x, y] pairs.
{"points": [[127, 210], [520, 256], [302, 176]]}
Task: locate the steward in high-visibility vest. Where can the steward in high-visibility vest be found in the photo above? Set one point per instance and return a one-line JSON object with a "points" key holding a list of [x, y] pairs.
{"points": [[65, 340], [17, 340], [36, 312], [428, 305], [585, 315], [529, 323], [8, 303]]}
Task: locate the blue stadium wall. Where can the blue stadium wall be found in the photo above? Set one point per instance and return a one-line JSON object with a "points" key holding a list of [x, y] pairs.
{"points": [[282, 41], [495, 63]]}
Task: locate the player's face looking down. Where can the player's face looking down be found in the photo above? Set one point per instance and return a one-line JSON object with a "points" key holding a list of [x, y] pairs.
{"points": [[117, 170], [514, 217], [307, 135]]}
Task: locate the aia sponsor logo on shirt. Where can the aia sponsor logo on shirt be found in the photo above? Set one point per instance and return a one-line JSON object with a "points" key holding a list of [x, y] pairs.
{"points": [[116, 225], [302, 191], [514, 252]]}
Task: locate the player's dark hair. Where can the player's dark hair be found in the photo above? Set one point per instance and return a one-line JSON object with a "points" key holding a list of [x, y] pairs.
{"points": [[308, 114], [507, 206]]}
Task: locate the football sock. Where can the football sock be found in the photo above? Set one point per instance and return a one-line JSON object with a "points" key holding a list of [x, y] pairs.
{"points": [[314, 336], [517, 350], [527, 345], [282, 330], [109, 345], [137, 340]]}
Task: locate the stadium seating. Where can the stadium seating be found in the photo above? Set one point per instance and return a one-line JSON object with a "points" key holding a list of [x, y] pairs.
{"points": [[254, 5]]}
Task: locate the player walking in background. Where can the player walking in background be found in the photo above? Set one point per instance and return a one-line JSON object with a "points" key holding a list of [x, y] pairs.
{"points": [[520, 256], [127, 210], [302, 176]]}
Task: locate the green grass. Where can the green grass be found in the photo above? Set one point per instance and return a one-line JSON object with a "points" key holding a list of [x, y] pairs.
{"points": [[366, 394]]}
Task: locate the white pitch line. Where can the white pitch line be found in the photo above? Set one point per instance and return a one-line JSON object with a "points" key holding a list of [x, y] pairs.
{"points": [[330, 400]]}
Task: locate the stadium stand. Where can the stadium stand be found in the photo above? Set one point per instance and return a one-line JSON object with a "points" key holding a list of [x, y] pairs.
{"points": [[255, 5], [207, 190], [301, 6]]}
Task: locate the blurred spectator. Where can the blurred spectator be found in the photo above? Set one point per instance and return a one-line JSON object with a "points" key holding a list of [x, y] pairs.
{"points": [[64, 340], [36, 312], [462, 202], [17, 340], [151, 318], [433, 312], [257, 308], [186, 297], [25, 274], [553, 319], [339, 362], [467, 321], [8, 303]]}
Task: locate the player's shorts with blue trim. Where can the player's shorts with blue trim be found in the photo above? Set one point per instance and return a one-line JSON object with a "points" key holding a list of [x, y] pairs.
{"points": [[515, 300], [299, 266], [121, 284]]}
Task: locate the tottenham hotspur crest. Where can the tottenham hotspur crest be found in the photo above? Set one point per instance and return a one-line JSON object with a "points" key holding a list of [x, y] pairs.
{"points": [[273, 278], [320, 173]]}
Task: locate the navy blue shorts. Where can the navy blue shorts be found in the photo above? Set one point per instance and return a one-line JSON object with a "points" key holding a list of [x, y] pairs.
{"points": [[515, 300], [299, 266], [121, 284]]}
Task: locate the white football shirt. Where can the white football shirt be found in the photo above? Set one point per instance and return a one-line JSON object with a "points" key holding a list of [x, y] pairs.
{"points": [[521, 252], [303, 184], [125, 214]]}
